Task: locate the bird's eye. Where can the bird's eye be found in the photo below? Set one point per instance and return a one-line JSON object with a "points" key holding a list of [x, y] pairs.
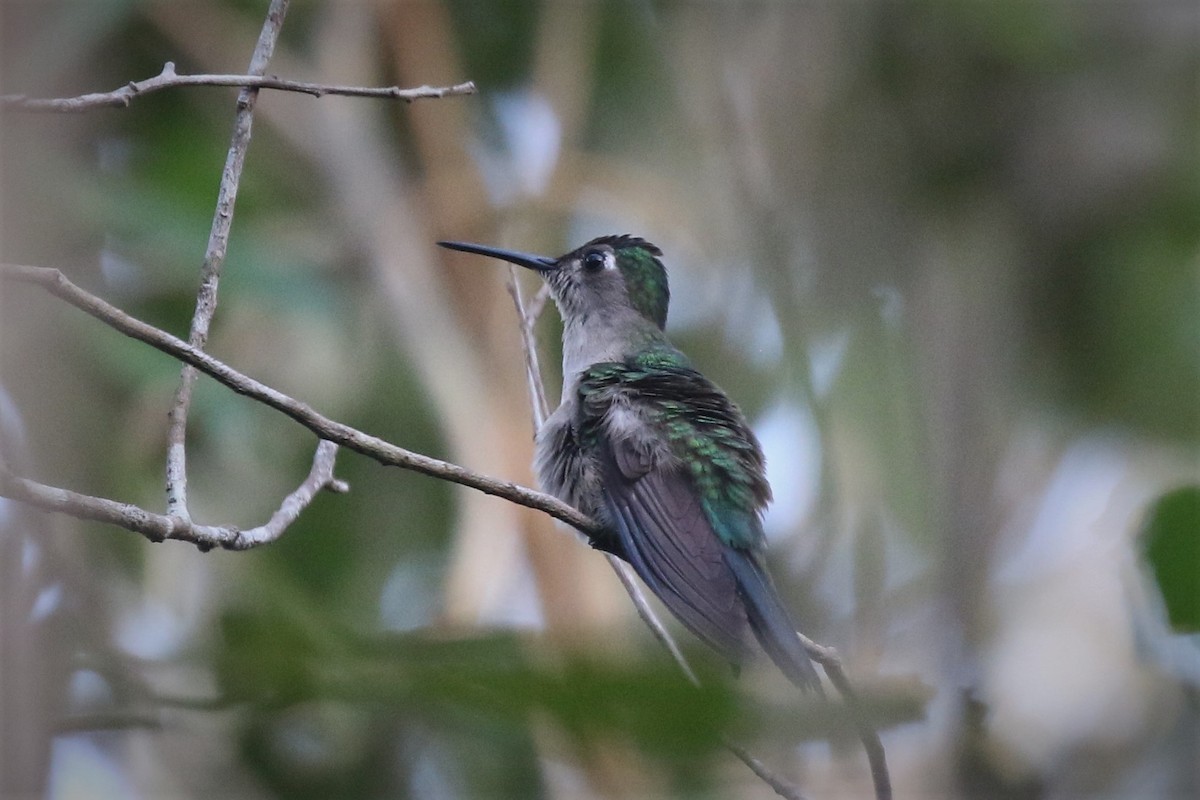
{"points": [[593, 261]]}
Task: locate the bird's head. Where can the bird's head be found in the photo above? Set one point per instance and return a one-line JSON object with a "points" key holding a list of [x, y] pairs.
{"points": [[609, 272]]}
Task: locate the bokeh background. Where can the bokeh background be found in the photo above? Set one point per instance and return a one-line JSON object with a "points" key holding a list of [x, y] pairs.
{"points": [[945, 254]]}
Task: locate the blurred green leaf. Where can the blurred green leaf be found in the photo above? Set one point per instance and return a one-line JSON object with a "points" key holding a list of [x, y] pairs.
{"points": [[274, 661], [1171, 543]]}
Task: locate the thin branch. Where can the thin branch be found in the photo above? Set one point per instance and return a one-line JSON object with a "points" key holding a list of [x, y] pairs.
{"points": [[831, 662], [538, 304], [214, 260], [159, 527], [781, 787], [169, 79], [649, 617], [351, 438], [533, 370]]}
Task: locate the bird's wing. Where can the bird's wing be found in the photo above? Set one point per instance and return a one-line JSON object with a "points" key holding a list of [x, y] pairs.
{"points": [[698, 556], [668, 540]]}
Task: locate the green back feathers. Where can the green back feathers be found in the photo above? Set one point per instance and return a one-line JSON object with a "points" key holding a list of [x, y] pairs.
{"points": [[703, 428], [658, 354]]}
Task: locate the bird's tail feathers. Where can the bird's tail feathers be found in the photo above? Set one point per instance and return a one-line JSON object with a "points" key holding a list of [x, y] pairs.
{"points": [[770, 621]]}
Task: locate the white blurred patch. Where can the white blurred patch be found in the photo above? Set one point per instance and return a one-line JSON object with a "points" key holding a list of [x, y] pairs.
{"points": [[13, 445], [406, 601], [1175, 652], [826, 356], [891, 304], [119, 272], [88, 690], [114, 154], [764, 345], [704, 294], [31, 552], [12, 429], [433, 772], [698, 296], [532, 139], [81, 770], [150, 631], [515, 603], [47, 602], [1062, 669], [791, 442], [1072, 513]]}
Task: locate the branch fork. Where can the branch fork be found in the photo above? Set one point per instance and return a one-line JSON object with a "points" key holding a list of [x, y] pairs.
{"points": [[161, 527]]}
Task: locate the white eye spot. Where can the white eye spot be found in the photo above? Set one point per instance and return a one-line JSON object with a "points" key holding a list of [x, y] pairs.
{"points": [[598, 260]]}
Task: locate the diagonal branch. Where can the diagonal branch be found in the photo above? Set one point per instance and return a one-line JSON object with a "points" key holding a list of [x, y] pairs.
{"points": [[647, 615], [159, 527], [538, 304], [781, 787], [169, 79], [831, 662], [533, 370], [325, 428], [214, 261]]}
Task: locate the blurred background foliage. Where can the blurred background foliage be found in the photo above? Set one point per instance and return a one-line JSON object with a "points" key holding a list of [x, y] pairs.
{"points": [[944, 253]]}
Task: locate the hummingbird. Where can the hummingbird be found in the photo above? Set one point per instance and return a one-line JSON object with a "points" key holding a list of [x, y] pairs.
{"points": [[657, 453]]}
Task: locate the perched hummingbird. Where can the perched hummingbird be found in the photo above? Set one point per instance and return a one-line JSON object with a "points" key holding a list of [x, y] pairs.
{"points": [[655, 452]]}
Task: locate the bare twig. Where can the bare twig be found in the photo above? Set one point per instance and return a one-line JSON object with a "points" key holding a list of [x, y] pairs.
{"points": [[831, 662], [649, 617], [214, 260], [781, 787], [169, 79], [533, 370], [350, 438], [159, 527], [538, 304]]}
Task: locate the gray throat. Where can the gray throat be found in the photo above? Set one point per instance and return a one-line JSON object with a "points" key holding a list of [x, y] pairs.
{"points": [[609, 335]]}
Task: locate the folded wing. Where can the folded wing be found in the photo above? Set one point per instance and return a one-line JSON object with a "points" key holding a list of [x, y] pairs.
{"points": [[667, 539]]}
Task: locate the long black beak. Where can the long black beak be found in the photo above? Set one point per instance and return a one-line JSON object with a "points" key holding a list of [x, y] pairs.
{"points": [[539, 263]]}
